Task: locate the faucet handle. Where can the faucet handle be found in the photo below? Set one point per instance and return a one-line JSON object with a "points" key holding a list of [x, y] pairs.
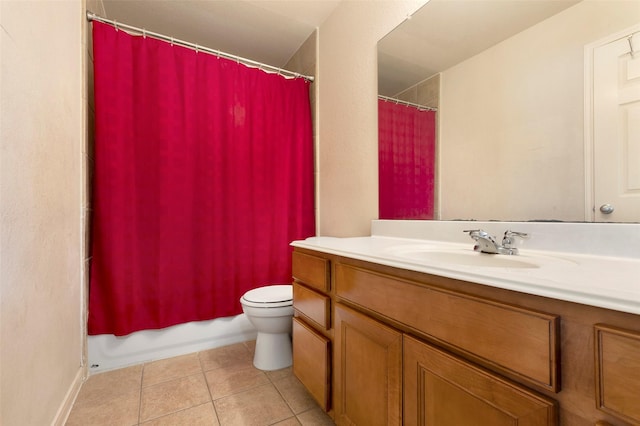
{"points": [[479, 233], [507, 240], [510, 233], [473, 233]]}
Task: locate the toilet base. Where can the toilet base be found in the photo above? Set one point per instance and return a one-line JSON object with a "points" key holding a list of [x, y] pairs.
{"points": [[273, 351]]}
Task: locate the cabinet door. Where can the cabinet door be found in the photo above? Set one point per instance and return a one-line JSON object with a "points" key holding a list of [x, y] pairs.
{"points": [[618, 372], [368, 370], [443, 390], [311, 361]]}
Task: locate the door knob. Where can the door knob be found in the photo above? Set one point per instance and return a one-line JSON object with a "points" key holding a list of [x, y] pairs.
{"points": [[606, 208]]}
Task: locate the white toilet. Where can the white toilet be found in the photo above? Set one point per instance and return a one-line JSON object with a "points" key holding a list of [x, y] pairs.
{"points": [[270, 310]]}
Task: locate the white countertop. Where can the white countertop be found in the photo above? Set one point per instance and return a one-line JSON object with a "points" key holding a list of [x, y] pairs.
{"points": [[605, 281]]}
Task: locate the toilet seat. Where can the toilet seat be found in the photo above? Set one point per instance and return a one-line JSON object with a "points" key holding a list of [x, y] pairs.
{"points": [[273, 296]]}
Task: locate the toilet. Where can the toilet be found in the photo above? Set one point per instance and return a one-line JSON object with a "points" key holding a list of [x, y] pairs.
{"points": [[270, 310]]}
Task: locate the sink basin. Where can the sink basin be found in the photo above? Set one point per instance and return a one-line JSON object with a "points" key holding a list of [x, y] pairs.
{"points": [[468, 257]]}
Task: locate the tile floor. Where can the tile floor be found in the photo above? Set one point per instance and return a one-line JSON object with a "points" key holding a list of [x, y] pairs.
{"points": [[215, 387]]}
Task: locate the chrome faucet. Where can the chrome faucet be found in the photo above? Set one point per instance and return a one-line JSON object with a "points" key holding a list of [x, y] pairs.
{"points": [[486, 243]]}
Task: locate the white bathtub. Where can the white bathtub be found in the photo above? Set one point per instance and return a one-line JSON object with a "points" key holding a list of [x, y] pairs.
{"points": [[108, 352]]}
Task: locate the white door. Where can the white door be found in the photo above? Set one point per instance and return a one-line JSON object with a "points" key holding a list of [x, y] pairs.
{"points": [[616, 130]]}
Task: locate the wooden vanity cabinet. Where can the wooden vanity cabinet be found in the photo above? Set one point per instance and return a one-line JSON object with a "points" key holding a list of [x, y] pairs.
{"points": [[390, 346], [523, 343], [439, 388]]}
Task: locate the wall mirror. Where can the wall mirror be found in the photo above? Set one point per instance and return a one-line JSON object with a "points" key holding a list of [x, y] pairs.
{"points": [[508, 81]]}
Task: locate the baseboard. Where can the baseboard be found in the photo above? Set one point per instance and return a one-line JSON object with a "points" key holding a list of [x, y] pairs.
{"points": [[70, 398]]}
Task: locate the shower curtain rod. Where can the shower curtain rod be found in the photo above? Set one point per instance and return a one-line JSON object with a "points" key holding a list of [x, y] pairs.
{"points": [[254, 64], [401, 102]]}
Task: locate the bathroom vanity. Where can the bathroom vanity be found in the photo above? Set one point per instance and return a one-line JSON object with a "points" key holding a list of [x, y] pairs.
{"points": [[392, 330]]}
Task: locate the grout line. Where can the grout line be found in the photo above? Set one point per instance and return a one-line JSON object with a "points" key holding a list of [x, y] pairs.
{"points": [[204, 376], [213, 405], [280, 421], [284, 399], [140, 394], [180, 411]]}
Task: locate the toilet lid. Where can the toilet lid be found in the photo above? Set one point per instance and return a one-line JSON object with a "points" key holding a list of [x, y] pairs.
{"points": [[270, 294]]}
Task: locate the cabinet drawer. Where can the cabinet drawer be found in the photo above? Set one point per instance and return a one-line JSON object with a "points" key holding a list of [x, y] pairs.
{"points": [[520, 342], [311, 270], [440, 388], [315, 306], [311, 362], [618, 372]]}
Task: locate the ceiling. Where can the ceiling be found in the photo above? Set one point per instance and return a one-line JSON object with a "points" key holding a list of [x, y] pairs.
{"points": [[441, 34], [267, 31]]}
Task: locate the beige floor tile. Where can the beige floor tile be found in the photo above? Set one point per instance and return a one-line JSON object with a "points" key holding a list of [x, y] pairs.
{"points": [[169, 369], [225, 356], [175, 392], [292, 421], [262, 405], [172, 396], [251, 346], [111, 383], [315, 417], [119, 410], [225, 381], [202, 415], [295, 394], [279, 374]]}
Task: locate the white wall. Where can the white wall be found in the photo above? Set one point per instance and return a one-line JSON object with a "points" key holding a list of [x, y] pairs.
{"points": [[347, 121], [41, 191], [511, 120]]}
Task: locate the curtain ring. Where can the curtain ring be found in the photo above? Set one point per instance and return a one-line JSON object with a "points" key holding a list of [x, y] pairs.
{"points": [[172, 41], [144, 33], [115, 24], [196, 47]]}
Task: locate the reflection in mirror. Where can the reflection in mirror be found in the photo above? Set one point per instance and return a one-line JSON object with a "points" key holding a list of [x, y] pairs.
{"points": [[406, 159], [510, 131]]}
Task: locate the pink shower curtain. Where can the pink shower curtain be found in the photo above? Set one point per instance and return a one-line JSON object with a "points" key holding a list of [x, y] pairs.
{"points": [[203, 176], [406, 161]]}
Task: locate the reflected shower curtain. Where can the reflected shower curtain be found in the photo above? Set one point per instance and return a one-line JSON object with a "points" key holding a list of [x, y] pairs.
{"points": [[203, 176], [406, 161]]}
